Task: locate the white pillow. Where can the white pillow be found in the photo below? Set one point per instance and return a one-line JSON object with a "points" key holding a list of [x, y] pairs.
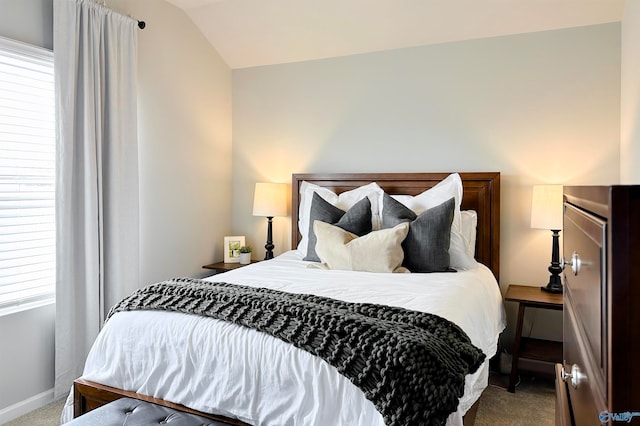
{"points": [[459, 257], [469, 229], [451, 186], [344, 201]]}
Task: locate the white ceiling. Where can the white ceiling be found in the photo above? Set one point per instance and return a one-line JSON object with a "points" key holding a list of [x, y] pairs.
{"points": [[250, 33]]}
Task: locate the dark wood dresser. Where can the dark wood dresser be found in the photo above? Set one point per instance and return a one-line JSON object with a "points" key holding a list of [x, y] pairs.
{"points": [[599, 380]]}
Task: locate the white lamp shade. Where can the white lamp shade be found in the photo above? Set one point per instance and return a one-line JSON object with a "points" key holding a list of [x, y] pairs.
{"points": [[270, 199], [546, 207]]}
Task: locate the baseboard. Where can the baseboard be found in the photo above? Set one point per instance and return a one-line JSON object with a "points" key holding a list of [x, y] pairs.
{"points": [[21, 408]]}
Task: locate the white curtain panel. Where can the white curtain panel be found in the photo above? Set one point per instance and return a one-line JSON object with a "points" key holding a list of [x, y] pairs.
{"points": [[95, 58]]}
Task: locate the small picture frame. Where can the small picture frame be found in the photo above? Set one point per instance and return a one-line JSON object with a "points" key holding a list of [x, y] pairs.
{"points": [[231, 248]]}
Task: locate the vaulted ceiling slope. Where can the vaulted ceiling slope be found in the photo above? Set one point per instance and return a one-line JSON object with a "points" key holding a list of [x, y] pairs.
{"points": [[250, 33]]}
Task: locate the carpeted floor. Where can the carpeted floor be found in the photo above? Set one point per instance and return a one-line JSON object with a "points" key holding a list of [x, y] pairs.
{"points": [[533, 403], [49, 415]]}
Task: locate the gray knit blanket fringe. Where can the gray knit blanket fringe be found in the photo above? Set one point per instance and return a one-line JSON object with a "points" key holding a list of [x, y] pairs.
{"points": [[411, 365]]}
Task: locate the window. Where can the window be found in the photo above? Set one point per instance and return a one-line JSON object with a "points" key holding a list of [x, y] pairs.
{"points": [[27, 176]]}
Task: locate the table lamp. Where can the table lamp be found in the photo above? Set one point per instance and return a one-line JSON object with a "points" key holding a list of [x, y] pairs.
{"points": [[546, 213], [270, 200]]}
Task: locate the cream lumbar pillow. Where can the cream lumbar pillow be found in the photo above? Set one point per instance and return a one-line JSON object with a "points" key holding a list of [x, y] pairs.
{"points": [[377, 251]]}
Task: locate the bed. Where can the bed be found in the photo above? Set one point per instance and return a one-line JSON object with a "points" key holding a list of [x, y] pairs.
{"points": [[207, 366]]}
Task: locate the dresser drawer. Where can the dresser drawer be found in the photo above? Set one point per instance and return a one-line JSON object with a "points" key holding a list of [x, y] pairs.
{"points": [[586, 388], [585, 289], [585, 313]]}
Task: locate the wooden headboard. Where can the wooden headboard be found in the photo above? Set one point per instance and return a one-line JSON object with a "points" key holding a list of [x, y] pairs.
{"points": [[481, 193]]}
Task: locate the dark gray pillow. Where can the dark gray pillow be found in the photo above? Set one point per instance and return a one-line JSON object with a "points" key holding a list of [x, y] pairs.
{"points": [[426, 248], [356, 220]]}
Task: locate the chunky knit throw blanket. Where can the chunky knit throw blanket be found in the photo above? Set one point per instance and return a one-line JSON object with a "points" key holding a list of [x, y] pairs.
{"points": [[411, 365]]}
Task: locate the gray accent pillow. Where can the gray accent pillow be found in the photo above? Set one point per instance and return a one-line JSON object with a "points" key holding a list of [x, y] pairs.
{"points": [[426, 248], [356, 220]]}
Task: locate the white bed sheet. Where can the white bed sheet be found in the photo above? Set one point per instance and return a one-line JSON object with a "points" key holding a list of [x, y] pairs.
{"points": [[262, 380]]}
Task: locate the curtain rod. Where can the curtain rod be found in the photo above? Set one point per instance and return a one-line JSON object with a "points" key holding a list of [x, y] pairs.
{"points": [[141, 24]]}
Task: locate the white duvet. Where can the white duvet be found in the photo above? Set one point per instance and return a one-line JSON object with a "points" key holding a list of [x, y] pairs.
{"points": [[221, 368]]}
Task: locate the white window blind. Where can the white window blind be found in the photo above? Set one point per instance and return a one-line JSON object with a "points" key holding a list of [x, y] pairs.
{"points": [[27, 175]]}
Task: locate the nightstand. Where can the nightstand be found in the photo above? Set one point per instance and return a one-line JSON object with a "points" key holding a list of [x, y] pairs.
{"points": [[526, 348], [225, 267]]}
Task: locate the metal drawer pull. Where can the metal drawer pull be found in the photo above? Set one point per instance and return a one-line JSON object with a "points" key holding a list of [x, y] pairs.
{"points": [[576, 376], [575, 263]]}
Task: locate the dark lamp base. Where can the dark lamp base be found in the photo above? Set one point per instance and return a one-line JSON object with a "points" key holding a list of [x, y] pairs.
{"points": [[552, 288], [555, 282], [268, 254]]}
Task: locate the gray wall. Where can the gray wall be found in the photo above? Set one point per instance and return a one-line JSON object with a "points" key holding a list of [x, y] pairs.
{"points": [[29, 21], [539, 108], [26, 360]]}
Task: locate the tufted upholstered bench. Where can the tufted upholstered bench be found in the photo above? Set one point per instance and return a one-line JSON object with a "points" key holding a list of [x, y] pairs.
{"points": [[133, 412]]}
